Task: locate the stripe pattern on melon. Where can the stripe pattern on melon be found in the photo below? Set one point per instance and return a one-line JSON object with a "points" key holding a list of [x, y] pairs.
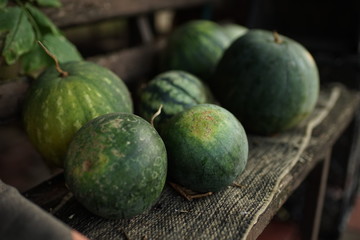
{"points": [[175, 91]]}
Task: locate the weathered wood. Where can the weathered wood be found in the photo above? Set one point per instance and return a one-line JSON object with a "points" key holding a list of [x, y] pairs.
{"points": [[276, 167], [11, 97], [315, 199], [87, 11], [133, 63]]}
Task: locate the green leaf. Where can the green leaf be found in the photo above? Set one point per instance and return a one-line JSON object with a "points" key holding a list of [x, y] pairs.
{"points": [[44, 24], [36, 60], [20, 36], [3, 3], [49, 3], [8, 17]]}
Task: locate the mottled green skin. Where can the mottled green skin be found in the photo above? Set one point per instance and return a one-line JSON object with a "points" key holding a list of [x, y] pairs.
{"points": [[234, 31], [269, 86], [207, 148], [196, 47], [176, 91], [56, 107], [116, 165]]}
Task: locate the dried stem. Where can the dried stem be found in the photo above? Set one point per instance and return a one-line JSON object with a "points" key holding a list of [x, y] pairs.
{"points": [[62, 72], [234, 184], [155, 115], [277, 37], [188, 194]]}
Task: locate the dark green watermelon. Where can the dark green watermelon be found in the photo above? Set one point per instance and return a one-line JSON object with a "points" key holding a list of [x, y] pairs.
{"points": [[270, 82], [195, 47], [116, 165], [176, 91], [56, 106], [207, 148]]}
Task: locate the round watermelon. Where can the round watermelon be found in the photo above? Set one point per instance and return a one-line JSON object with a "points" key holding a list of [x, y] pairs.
{"points": [[195, 47], [176, 91], [269, 81], [207, 148], [56, 106], [116, 165]]}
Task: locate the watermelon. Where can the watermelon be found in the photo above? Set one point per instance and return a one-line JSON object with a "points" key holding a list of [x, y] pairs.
{"points": [[269, 81], [195, 47], [207, 148], [116, 165], [176, 91], [57, 106], [234, 31]]}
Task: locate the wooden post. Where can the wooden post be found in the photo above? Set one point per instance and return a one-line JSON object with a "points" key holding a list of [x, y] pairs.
{"points": [[315, 198]]}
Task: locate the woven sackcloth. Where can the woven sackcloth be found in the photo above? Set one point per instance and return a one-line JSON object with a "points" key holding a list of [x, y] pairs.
{"points": [[228, 214]]}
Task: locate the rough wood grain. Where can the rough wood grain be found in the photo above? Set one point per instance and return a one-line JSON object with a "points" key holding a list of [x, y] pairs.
{"points": [[87, 11], [11, 97], [276, 166], [133, 63]]}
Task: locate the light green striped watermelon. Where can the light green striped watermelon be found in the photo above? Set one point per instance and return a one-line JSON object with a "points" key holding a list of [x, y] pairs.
{"points": [[196, 47], [176, 91], [116, 165], [56, 107], [207, 148]]}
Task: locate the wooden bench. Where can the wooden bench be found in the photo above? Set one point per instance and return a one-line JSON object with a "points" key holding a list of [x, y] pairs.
{"points": [[276, 168]]}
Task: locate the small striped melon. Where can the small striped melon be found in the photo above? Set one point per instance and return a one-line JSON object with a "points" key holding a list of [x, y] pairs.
{"points": [[176, 91], [56, 107]]}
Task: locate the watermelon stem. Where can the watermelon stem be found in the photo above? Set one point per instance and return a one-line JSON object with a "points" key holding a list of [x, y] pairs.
{"points": [[187, 193], [277, 37], [155, 115], [57, 65]]}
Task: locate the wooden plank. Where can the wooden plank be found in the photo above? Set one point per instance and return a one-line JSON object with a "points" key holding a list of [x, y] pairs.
{"points": [[12, 93], [315, 200], [87, 11], [277, 165], [134, 63]]}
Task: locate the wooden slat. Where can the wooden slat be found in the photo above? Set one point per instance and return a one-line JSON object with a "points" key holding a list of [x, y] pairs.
{"points": [[86, 11], [11, 97], [133, 63]]}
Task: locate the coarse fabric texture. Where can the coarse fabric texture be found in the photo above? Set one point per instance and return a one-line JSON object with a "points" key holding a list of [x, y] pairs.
{"points": [[21, 219], [273, 167]]}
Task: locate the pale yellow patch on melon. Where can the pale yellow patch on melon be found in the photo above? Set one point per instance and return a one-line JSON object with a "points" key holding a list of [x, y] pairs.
{"points": [[203, 125], [89, 104], [107, 80], [77, 124], [117, 153], [117, 123]]}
